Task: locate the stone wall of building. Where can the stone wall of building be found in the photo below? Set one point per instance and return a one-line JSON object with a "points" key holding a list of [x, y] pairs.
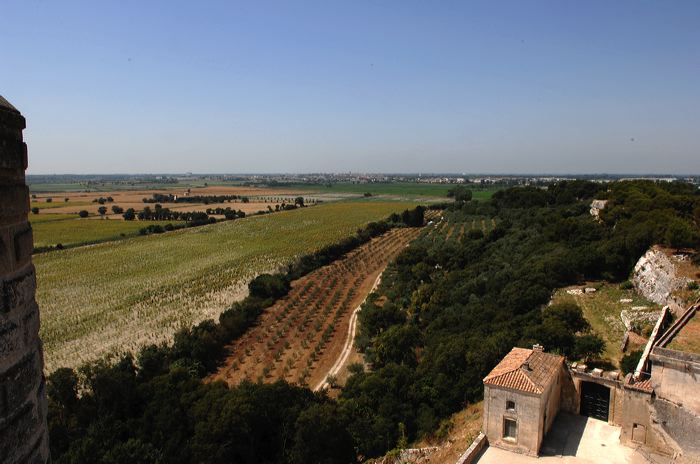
{"points": [[675, 377], [638, 427], [23, 431], [528, 413]]}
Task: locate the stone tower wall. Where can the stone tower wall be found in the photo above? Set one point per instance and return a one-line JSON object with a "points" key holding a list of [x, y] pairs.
{"points": [[23, 430]]}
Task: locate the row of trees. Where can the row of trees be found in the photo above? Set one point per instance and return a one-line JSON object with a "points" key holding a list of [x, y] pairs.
{"points": [[155, 408], [206, 199]]}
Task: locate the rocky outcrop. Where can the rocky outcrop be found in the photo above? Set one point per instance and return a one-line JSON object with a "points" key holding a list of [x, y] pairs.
{"points": [[597, 206], [655, 277], [23, 432]]}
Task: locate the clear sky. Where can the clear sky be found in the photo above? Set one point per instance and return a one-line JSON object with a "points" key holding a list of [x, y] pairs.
{"points": [[370, 86]]}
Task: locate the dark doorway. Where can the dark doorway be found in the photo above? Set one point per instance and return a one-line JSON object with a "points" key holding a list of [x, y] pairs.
{"points": [[595, 400]]}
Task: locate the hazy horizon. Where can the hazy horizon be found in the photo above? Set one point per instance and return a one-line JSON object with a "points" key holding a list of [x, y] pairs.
{"points": [[562, 88], [377, 173]]}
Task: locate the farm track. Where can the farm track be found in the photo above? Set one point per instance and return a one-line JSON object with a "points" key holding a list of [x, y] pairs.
{"points": [[301, 337], [341, 362]]}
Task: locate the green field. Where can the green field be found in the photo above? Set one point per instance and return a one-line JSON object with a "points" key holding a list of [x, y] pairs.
{"points": [[57, 203], [602, 311], [121, 295], [69, 230], [392, 188], [39, 218]]}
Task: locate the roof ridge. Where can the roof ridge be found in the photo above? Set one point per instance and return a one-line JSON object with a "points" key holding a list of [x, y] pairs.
{"points": [[525, 370], [495, 372]]}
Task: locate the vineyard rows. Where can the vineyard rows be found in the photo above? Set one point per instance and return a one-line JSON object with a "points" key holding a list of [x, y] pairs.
{"points": [[447, 230], [299, 338]]}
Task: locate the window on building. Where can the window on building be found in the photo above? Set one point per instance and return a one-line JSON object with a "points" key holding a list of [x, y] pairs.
{"points": [[639, 433], [510, 405], [510, 429]]}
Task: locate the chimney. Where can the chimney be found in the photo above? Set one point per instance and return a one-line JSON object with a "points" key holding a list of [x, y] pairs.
{"points": [[537, 347]]}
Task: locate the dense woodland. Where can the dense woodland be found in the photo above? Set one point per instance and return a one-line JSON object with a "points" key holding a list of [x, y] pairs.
{"points": [[453, 308]]}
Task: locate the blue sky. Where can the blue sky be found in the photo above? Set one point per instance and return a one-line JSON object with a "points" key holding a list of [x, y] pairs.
{"points": [[370, 86]]}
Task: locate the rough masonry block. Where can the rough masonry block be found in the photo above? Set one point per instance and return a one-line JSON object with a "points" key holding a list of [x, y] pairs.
{"points": [[14, 205], [30, 323], [17, 433], [17, 383], [18, 292], [10, 339], [13, 155], [24, 245], [5, 255], [12, 119]]}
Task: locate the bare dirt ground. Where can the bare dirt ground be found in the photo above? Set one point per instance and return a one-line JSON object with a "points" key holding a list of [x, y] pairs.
{"points": [[301, 337], [688, 339], [348, 350]]}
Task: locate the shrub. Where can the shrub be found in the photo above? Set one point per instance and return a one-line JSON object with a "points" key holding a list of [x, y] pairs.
{"points": [[589, 346], [269, 286], [692, 285], [475, 234], [626, 285], [83, 213], [629, 362]]}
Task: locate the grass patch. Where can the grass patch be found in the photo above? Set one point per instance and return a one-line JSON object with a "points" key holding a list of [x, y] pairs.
{"points": [[72, 231], [119, 296], [56, 203], [602, 311], [49, 217]]}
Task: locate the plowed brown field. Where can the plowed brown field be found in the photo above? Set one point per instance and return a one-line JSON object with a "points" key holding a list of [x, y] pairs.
{"points": [[302, 336]]}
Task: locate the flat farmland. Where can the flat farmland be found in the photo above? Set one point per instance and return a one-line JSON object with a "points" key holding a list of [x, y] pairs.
{"points": [[72, 230], [309, 333], [96, 228], [411, 189], [118, 296], [259, 199]]}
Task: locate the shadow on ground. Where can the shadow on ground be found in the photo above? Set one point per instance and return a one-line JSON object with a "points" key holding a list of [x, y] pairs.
{"points": [[565, 436]]}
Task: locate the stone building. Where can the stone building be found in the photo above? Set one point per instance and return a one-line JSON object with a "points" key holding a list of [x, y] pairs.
{"points": [[522, 395], [657, 408], [23, 431], [661, 408]]}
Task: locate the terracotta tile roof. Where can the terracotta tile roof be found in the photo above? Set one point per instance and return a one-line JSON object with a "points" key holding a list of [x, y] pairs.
{"points": [[525, 370], [643, 385]]}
